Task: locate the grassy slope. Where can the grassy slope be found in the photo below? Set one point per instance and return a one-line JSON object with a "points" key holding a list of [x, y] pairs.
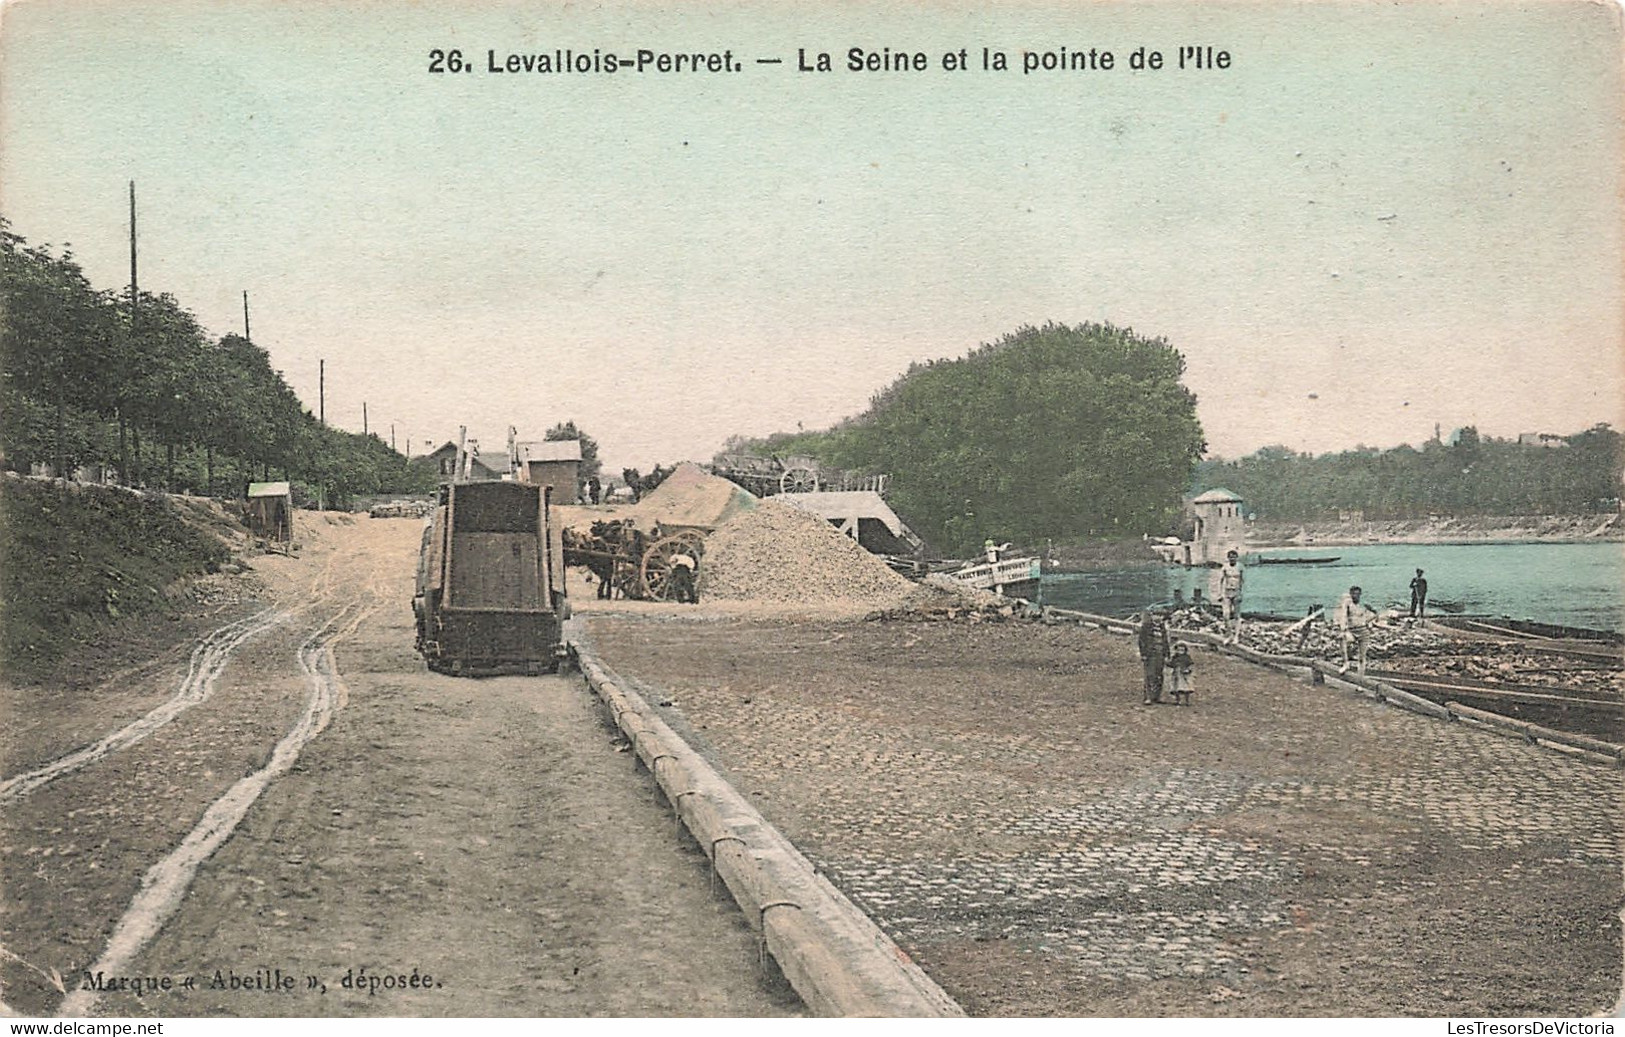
{"points": [[76, 558]]}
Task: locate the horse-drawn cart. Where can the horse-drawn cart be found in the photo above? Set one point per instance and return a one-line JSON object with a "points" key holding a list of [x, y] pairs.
{"points": [[635, 563]]}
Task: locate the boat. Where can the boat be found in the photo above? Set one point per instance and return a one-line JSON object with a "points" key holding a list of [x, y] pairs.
{"points": [[1322, 560], [1528, 628]]}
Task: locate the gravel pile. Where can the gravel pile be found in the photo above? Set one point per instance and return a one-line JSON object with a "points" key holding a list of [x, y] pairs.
{"points": [[691, 497], [779, 553]]}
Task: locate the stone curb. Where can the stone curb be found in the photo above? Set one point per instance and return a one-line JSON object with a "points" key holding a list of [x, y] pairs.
{"points": [[834, 956]]}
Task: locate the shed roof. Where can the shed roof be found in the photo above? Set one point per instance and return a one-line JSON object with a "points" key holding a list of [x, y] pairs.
{"points": [[269, 489], [1217, 495], [837, 505], [549, 450]]}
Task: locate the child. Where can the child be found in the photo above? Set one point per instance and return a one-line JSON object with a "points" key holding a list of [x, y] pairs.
{"points": [[1179, 670]]}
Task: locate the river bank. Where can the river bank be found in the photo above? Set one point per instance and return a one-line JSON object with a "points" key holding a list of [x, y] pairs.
{"points": [[1475, 529]]}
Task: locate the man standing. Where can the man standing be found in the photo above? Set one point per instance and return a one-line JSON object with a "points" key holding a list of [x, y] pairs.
{"points": [[1354, 619], [1230, 593], [1419, 596], [1153, 653]]}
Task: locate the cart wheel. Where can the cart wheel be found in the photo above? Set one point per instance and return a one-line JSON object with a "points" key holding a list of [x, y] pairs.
{"points": [[695, 541], [629, 581], [656, 568], [799, 479]]}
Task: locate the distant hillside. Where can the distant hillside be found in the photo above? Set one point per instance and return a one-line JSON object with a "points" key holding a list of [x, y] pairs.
{"points": [[1442, 530], [1472, 476]]}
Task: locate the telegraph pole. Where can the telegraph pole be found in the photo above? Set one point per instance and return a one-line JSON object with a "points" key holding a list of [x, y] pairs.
{"points": [[363, 417], [321, 391], [246, 335], [135, 296], [392, 435]]}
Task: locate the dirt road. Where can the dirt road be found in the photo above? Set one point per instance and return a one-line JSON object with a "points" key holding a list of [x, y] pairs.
{"points": [[291, 816]]}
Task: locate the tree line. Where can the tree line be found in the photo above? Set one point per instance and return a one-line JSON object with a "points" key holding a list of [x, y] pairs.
{"points": [[90, 376], [1063, 432], [1473, 475]]}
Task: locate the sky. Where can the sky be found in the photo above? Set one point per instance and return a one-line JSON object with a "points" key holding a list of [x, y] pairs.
{"points": [[1376, 219]]}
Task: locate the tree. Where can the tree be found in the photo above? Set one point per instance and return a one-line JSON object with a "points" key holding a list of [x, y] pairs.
{"points": [[81, 375], [1054, 431]]}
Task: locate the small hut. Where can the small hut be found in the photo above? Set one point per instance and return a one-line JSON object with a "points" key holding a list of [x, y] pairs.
{"points": [[270, 511], [552, 462], [1220, 527]]}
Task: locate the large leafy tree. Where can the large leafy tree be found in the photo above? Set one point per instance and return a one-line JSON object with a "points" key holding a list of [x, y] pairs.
{"points": [[1055, 431]]}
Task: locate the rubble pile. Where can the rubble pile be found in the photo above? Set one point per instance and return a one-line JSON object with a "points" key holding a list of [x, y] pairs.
{"points": [[928, 609], [1424, 652], [1516, 664], [402, 509], [778, 553], [1389, 639], [939, 597]]}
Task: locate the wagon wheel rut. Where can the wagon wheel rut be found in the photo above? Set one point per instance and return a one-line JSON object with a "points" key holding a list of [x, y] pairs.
{"points": [[332, 804]]}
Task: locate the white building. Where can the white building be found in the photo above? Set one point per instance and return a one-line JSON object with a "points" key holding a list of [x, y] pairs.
{"points": [[1220, 526]]}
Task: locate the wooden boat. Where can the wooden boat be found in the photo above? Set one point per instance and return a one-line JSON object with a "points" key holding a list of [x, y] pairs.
{"points": [[1299, 561]]}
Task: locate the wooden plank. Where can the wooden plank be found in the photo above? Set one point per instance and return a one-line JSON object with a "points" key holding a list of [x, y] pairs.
{"points": [[1496, 694], [1535, 731]]}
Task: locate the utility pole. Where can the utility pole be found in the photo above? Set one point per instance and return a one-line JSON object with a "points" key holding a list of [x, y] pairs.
{"points": [[363, 417], [135, 296], [392, 435], [246, 335], [321, 391]]}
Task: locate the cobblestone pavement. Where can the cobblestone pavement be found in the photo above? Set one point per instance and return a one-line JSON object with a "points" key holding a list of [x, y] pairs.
{"points": [[1000, 802]]}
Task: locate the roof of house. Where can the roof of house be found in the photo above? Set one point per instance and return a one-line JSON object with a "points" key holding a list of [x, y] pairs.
{"points": [[496, 464], [549, 450], [268, 489], [1217, 495]]}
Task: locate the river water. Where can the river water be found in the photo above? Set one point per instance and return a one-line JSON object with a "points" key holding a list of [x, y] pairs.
{"points": [[1573, 584]]}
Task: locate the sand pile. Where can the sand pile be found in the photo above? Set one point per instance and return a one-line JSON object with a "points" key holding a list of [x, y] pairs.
{"points": [[780, 553], [692, 497]]}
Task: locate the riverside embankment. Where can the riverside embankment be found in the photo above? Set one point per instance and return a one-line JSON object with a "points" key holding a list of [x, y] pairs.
{"points": [[996, 797]]}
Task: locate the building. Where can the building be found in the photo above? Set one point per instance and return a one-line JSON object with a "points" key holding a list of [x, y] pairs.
{"points": [[270, 511], [1220, 526], [861, 515], [551, 462], [444, 461], [1547, 440]]}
